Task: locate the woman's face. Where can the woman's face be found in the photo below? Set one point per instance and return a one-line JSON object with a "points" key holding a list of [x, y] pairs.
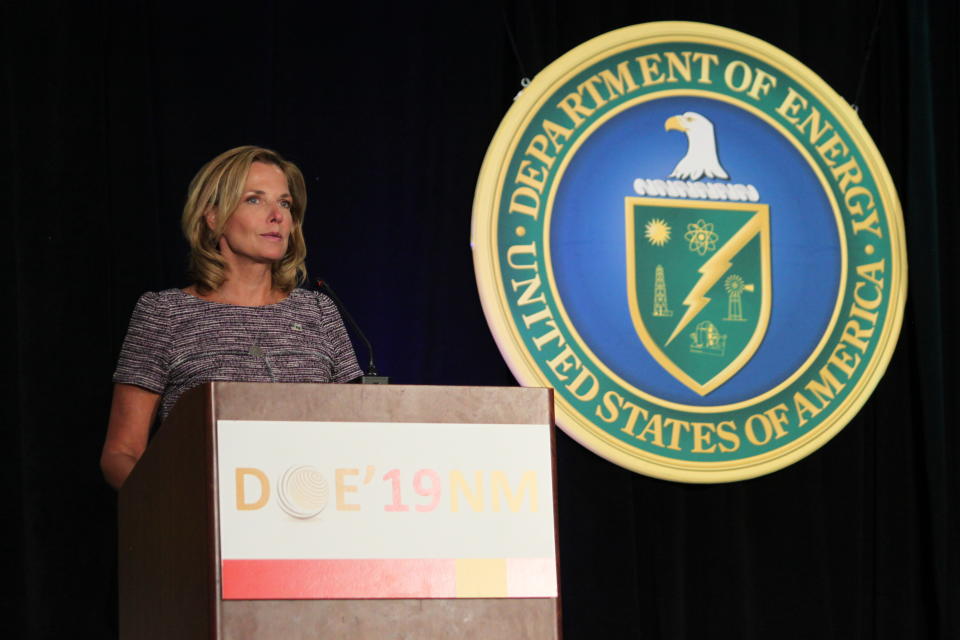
{"points": [[259, 229]]}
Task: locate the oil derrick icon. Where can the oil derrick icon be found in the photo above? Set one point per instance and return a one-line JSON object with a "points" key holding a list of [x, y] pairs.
{"points": [[660, 307]]}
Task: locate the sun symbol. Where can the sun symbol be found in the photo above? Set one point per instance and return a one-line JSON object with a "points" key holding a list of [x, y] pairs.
{"points": [[701, 236], [657, 232]]}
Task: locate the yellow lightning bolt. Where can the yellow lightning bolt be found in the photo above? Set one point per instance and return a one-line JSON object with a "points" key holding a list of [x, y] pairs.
{"points": [[713, 269]]}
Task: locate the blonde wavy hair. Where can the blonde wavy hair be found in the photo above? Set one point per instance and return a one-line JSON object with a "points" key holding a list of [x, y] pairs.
{"points": [[219, 185]]}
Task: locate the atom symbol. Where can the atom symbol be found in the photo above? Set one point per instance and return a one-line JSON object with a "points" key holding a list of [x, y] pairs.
{"points": [[701, 236]]}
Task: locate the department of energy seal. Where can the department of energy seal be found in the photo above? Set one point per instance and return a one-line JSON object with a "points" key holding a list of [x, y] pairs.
{"points": [[693, 239]]}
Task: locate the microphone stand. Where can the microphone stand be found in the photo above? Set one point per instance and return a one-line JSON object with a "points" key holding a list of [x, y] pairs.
{"points": [[371, 376]]}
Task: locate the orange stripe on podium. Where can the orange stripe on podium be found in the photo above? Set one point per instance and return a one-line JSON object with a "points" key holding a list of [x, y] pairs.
{"points": [[297, 579]]}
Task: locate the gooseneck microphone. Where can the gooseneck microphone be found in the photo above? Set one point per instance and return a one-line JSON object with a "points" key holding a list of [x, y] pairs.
{"points": [[371, 376]]}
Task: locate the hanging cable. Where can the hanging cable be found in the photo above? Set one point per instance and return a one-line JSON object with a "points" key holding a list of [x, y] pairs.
{"points": [[866, 56], [524, 79]]}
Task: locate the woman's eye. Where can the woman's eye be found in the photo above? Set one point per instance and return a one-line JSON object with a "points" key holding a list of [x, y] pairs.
{"points": [[286, 204], [253, 200]]}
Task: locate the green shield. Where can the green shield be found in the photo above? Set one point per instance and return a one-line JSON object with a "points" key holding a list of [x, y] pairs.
{"points": [[698, 283]]}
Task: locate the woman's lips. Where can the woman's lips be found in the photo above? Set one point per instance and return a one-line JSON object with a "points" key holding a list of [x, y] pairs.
{"points": [[271, 236]]}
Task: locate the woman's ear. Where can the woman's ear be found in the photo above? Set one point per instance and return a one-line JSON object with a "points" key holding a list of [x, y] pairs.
{"points": [[210, 215]]}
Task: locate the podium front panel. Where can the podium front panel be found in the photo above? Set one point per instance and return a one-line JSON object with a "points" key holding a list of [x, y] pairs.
{"points": [[371, 619]]}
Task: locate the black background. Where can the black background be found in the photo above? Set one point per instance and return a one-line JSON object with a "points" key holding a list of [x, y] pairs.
{"points": [[110, 107]]}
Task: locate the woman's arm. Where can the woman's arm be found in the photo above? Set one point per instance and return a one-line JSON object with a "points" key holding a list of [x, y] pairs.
{"points": [[131, 415]]}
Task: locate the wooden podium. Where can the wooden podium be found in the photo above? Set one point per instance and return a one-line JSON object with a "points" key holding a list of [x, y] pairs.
{"points": [[170, 573]]}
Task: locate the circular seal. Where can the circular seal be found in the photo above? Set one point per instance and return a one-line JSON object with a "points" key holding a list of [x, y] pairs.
{"points": [[303, 492], [693, 239]]}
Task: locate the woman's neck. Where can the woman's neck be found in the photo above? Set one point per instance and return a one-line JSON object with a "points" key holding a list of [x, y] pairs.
{"points": [[244, 289]]}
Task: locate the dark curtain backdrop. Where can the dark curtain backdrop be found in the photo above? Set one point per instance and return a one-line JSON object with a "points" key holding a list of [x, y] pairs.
{"points": [[109, 107]]}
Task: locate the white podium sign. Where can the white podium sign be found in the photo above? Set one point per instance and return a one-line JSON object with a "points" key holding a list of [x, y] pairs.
{"points": [[385, 510]]}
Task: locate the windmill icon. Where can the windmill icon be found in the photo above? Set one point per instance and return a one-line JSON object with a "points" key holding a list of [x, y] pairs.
{"points": [[735, 287]]}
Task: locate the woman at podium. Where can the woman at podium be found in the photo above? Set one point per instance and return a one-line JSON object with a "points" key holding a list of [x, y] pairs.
{"points": [[243, 318]]}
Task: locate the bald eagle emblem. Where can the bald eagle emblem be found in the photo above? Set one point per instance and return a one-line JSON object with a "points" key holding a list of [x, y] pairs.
{"points": [[701, 159]]}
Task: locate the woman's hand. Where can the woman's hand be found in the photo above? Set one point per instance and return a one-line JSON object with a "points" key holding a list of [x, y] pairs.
{"points": [[131, 415]]}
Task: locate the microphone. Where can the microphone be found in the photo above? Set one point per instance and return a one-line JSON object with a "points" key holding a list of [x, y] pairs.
{"points": [[371, 376]]}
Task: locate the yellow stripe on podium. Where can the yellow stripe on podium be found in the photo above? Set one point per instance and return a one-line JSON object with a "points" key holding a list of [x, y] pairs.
{"points": [[481, 577]]}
